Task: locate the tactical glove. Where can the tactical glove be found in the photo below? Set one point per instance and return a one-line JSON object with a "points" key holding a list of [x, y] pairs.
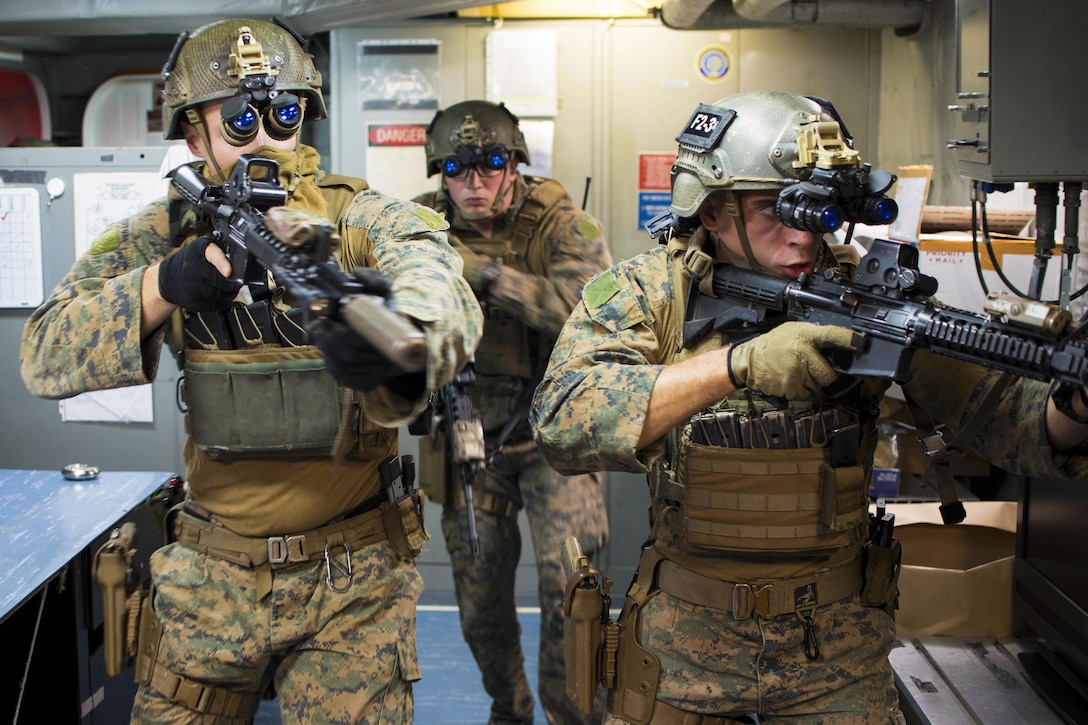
{"points": [[191, 282], [349, 358], [789, 361]]}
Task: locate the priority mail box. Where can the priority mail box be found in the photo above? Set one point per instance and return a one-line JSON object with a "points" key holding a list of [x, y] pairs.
{"points": [[950, 258], [956, 580]]}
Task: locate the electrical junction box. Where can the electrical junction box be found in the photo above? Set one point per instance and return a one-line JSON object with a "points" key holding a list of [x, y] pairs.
{"points": [[1021, 100]]}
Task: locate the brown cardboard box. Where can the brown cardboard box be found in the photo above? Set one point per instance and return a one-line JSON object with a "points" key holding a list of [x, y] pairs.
{"points": [[950, 258], [956, 580]]}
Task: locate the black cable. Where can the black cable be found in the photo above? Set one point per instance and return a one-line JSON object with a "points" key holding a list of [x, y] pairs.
{"points": [[993, 257], [974, 240]]}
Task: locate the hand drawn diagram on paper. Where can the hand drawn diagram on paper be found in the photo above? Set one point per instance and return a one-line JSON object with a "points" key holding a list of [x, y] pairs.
{"points": [[20, 248]]}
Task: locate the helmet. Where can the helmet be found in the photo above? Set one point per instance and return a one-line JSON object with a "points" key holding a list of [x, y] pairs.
{"points": [[474, 132], [744, 142], [257, 62]]}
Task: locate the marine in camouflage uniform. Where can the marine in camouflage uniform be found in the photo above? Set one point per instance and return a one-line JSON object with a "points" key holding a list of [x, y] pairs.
{"points": [[528, 251], [752, 597], [290, 568]]}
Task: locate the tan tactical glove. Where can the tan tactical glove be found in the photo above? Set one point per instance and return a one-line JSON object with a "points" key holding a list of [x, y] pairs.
{"points": [[787, 361]]}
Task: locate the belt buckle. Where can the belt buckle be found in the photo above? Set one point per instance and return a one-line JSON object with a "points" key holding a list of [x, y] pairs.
{"points": [[286, 548], [749, 600]]}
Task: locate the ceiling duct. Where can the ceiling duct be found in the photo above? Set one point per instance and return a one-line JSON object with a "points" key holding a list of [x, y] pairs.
{"points": [[906, 16], [141, 17]]}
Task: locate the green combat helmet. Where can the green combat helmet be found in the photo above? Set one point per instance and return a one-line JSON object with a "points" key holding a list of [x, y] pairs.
{"points": [[473, 133], [259, 66], [756, 149]]}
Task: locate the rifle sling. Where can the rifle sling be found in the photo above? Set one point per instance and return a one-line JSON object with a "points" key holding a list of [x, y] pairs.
{"points": [[941, 454]]}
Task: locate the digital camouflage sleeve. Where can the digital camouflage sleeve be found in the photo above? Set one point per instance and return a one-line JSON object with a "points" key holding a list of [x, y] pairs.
{"points": [[410, 249], [589, 410], [86, 335]]}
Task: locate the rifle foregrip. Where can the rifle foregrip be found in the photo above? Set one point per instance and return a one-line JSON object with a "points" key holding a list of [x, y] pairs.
{"points": [[391, 333]]}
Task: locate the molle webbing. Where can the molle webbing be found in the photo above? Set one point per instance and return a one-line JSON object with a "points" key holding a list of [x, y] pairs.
{"points": [[543, 195], [745, 500]]}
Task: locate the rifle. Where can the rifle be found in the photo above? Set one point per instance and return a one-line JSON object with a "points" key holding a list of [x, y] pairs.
{"points": [[259, 235], [890, 301], [451, 413]]}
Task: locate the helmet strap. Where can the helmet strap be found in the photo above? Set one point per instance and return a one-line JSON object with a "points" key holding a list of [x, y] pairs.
{"points": [[197, 122], [732, 205], [497, 204]]}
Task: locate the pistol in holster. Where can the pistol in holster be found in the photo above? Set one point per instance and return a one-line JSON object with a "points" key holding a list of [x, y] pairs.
{"points": [[112, 569], [590, 635]]}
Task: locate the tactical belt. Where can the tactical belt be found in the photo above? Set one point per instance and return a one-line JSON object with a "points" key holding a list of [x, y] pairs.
{"points": [[204, 698], [770, 598], [360, 527]]}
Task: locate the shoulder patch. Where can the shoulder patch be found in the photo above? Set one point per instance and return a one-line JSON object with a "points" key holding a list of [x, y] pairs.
{"points": [[107, 242], [600, 289], [589, 230], [431, 218]]}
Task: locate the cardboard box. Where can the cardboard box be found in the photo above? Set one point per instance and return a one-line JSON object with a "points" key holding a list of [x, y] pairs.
{"points": [[956, 580], [951, 259]]}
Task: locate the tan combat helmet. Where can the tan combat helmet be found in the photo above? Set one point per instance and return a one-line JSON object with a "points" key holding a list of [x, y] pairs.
{"points": [[742, 143], [257, 62], [474, 132]]}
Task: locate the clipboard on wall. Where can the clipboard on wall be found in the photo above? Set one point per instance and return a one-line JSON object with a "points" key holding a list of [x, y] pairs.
{"points": [[910, 193]]}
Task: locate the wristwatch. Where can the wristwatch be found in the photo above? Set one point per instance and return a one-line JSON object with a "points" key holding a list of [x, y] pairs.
{"points": [[1063, 401]]}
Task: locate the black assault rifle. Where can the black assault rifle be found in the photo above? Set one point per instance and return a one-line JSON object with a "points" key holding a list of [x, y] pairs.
{"points": [[260, 235], [890, 302], [451, 413]]}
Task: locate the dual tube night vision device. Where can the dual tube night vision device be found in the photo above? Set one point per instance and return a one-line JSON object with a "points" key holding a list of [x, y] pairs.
{"points": [[257, 97], [835, 188]]}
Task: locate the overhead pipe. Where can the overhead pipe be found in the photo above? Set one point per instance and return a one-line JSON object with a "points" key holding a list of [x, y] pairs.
{"points": [[906, 16], [756, 9], [683, 14]]}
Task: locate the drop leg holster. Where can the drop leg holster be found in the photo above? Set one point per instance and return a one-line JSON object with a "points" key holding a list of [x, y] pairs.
{"points": [[196, 696], [633, 695]]}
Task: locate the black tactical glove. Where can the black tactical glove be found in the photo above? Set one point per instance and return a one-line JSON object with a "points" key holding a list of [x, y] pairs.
{"points": [[349, 358], [191, 282]]}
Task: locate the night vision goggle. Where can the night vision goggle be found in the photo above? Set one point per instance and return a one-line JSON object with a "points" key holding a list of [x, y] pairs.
{"points": [[830, 197], [257, 97], [836, 188], [486, 160]]}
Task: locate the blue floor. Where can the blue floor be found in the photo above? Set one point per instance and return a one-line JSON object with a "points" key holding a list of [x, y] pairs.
{"points": [[450, 692]]}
